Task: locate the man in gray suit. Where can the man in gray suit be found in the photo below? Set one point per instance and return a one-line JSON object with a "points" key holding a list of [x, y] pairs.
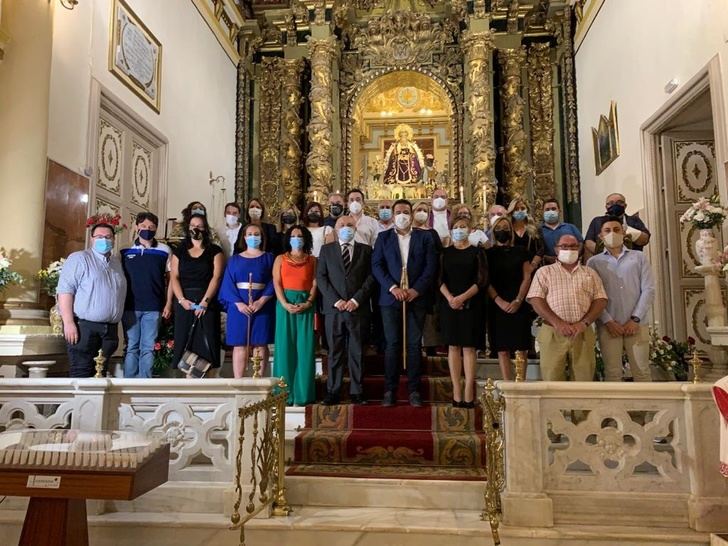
{"points": [[344, 278]]}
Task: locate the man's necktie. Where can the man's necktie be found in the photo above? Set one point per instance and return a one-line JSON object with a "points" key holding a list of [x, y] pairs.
{"points": [[346, 257]]}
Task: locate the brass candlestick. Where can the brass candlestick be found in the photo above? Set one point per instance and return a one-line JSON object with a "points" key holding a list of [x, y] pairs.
{"points": [[100, 361], [697, 365], [520, 366]]}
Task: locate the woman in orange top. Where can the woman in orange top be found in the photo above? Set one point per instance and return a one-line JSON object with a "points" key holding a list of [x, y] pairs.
{"points": [[294, 279]]}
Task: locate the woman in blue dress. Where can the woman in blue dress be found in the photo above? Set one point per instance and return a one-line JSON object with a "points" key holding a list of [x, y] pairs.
{"points": [[247, 294]]}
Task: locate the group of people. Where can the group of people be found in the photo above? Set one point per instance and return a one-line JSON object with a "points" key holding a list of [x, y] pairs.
{"points": [[418, 274]]}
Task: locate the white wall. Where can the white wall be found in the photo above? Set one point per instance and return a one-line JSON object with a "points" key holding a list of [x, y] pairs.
{"points": [[197, 115], [633, 48]]}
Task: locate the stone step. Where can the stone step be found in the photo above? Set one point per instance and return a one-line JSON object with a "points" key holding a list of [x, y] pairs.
{"points": [[385, 493], [348, 526]]}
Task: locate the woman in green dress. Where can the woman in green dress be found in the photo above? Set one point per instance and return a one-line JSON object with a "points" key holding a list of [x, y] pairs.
{"points": [[294, 279]]}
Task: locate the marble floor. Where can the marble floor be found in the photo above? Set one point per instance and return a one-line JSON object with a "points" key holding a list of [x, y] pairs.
{"points": [[348, 527]]}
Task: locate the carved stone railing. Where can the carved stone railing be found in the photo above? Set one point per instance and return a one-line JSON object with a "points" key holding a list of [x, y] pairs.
{"points": [[199, 418], [631, 454]]}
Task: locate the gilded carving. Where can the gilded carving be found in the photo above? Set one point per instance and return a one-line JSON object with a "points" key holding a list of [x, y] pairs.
{"points": [[319, 163], [291, 130], [478, 49], [319, 12], [270, 131], [517, 168], [541, 106]]}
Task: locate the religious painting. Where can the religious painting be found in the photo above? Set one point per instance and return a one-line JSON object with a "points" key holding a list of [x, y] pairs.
{"points": [[135, 55], [606, 140]]}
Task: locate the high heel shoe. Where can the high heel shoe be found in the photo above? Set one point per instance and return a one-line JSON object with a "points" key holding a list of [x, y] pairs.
{"points": [[456, 404], [468, 405]]}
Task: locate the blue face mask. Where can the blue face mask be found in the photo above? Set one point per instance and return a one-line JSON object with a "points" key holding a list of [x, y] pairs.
{"points": [[520, 215], [103, 246], [346, 234], [551, 216], [460, 234], [147, 234], [385, 214], [198, 211], [253, 241], [296, 243]]}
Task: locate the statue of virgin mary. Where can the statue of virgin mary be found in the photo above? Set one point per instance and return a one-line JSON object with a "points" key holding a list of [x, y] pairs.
{"points": [[404, 159]]}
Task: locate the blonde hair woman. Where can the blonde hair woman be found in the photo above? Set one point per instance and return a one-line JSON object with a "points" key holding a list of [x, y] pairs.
{"points": [[525, 231]]}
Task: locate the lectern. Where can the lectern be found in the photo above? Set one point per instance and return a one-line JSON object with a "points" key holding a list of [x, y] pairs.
{"points": [[60, 469]]}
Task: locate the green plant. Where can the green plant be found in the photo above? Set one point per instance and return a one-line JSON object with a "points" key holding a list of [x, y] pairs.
{"points": [[8, 277], [163, 348]]}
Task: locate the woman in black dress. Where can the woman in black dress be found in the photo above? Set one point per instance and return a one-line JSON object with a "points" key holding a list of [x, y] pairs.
{"points": [[196, 270], [509, 317], [525, 232], [464, 273]]}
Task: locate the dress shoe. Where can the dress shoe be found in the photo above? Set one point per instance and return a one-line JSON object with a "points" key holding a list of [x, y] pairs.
{"points": [[467, 405], [388, 400], [415, 400], [358, 399], [330, 400], [457, 403]]}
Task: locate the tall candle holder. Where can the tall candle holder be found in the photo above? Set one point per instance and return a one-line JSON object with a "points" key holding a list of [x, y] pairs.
{"points": [[100, 360]]}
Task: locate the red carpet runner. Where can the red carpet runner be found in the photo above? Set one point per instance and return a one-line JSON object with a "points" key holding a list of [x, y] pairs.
{"points": [[436, 441]]}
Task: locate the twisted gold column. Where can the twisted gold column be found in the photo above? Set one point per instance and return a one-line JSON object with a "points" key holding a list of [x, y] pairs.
{"points": [[319, 163], [516, 166], [478, 49]]}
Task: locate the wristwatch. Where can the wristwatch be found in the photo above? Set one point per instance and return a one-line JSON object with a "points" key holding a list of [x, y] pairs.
{"points": [[634, 318]]}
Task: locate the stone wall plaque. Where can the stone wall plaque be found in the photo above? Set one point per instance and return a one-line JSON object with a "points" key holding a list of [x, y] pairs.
{"points": [[135, 55]]}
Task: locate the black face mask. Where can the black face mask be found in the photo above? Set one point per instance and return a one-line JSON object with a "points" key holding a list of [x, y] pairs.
{"points": [[314, 217], [616, 210], [197, 234], [288, 219], [502, 236], [336, 210]]}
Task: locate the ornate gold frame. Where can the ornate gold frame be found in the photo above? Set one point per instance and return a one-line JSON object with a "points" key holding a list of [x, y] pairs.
{"points": [[128, 81], [608, 128]]}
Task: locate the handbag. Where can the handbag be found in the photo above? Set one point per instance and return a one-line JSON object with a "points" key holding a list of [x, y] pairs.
{"points": [[192, 364]]}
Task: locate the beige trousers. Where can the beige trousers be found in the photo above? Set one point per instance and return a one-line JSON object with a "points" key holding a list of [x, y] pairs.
{"points": [[555, 349], [637, 348]]}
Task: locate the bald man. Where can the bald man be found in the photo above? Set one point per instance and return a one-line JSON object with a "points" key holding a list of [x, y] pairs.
{"points": [[634, 228]]}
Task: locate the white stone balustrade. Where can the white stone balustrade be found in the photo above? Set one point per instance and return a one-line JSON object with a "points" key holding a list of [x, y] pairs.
{"points": [[641, 454], [198, 417]]}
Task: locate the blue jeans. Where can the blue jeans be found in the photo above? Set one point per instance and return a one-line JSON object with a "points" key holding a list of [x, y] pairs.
{"points": [[392, 323], [140, 330]]}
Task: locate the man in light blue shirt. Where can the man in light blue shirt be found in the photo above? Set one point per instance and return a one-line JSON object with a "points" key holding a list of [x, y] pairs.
{"points": [[553, 228], [91, 292], [630, 286]]}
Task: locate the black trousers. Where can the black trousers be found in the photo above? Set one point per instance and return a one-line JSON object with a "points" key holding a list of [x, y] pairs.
{"points": [[392, 322], [345, 333], [92, 336]]}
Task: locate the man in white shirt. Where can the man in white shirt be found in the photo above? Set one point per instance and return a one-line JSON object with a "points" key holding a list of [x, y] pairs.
{"points": [[440, 216], [386, 218], [367, 228], [229, 234]]}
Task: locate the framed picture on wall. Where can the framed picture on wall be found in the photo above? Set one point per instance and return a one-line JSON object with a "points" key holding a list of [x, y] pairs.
{"points": [[606, 139], [135, 55]]}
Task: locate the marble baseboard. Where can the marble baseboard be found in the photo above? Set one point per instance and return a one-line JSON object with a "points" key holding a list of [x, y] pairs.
{"points": [[349, 527]]}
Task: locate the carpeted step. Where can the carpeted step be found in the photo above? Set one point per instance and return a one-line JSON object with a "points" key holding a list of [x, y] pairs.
{"points": [[437, 418], [399, 472], [374, 365], [367, 447], [432, 389]]}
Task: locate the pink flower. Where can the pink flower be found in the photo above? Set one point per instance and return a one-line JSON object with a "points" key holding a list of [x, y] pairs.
{"points": [[170, 344], [691, 340], [157, 346]]}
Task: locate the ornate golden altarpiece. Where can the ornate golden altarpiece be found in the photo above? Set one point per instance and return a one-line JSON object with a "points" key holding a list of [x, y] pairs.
{"points": [[486, 88]]}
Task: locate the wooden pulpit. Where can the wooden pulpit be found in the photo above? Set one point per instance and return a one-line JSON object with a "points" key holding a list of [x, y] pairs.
{"points": [[60, 469]]}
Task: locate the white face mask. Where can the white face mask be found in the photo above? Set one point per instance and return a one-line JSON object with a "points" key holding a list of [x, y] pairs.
{"points": [[613, 240], [439, 203], [355, 207], [568, 257], [255, 213], [232, 219], [402, 220], [494, 217], [421, 216]]}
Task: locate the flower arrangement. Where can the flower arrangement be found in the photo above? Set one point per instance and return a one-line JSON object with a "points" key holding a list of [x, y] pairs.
{"points": [[163, 348], [106, 218], [671, 355], [8, 277], [49, 276], [705, 213]]}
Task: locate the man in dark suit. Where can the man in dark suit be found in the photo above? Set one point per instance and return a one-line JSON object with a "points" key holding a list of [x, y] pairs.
{"points": [[345, 281], [413, 249]]}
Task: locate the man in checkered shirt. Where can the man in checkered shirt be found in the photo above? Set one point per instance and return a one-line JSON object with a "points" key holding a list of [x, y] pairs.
{"points": [[569, 297]]}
